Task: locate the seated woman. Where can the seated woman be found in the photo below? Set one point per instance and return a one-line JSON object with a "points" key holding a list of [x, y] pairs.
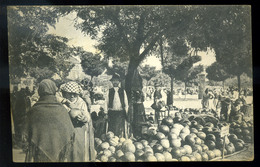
{"points": [[83, 148]]}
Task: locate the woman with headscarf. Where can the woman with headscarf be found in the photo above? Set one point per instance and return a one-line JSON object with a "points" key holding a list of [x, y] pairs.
{"points": [[205, 99], [49, 131], [83, 148], [138, 112]]}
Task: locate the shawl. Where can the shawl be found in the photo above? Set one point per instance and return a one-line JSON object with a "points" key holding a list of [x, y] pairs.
{"points": [[49, 127]]}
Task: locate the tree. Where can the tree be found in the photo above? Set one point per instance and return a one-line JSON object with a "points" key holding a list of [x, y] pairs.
{"points": [[190, 76], [160, 78], [229, 33], [31, 49], [148, 72], [131, 33], [184, 71], [92, 64], [216, 72]]}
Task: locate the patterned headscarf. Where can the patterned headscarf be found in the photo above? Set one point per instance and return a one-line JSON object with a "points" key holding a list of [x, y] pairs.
{"points": [[47, 87], [71, 87]]}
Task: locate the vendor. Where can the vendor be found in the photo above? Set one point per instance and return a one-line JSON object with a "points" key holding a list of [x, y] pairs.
{"points": [[83, 148], [206, 98], [225, 109], [157, 104], [236, 114], [117, 108], [138, 112]]}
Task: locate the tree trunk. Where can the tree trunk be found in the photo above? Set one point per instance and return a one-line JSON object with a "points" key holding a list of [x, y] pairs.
{"points": [[91, 91], [128, 88], [185, 89], [238, 83], [129, 77], [161, 51], [171, 93]]}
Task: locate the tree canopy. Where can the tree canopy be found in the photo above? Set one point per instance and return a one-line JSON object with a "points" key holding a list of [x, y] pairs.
{"points": [[33, 52], [131, 33], [92, 64], [148, 72], [216, 72]]}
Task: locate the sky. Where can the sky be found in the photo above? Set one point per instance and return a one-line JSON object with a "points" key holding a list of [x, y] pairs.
{"points": [[65, 28]]}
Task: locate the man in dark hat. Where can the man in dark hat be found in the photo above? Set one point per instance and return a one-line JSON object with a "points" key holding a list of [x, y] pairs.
{"points": [[226, 109], [157, 96], [117, 107]]}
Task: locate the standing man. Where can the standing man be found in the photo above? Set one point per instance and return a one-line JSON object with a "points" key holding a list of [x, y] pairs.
{"points": [[117, 107], [157, 97], [85, 94]]}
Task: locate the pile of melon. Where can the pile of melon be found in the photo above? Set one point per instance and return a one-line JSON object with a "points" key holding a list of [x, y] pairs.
{"points": [[243, 129], [176, 139]]}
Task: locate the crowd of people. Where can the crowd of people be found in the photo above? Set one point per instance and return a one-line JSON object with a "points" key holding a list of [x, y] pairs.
{"points": [[228, 105], [54, 122], [179, 92]]}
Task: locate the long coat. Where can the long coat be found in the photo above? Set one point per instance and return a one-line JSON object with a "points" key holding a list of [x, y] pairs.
{"points": [[49, 131]]}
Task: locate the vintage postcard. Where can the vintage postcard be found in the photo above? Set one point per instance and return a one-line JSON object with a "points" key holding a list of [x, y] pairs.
{"points": [[131, 83]]}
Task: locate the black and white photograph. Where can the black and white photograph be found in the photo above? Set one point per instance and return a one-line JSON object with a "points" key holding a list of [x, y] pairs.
{"points": [[133, 83]]}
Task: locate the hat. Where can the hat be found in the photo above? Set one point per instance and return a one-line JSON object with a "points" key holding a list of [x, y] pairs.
{"points": [[115, 77], [227, 100], [85, 82], [156, 84], [237, 102], [71, 87]]}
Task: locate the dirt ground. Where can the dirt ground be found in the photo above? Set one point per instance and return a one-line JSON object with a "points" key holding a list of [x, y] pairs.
{"points": [[247, 155]]}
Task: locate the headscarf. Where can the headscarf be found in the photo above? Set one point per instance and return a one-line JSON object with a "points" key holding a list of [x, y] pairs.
{"points": [[47, 87], [72, 87]]}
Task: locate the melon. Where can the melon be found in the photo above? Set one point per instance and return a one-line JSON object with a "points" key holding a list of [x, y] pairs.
{"points": [[119, 153], [217, 152], [185, 158], [107, 153], [197, 148], [175, 143], [167, 155], [104, 145], [188, 149], [204, 156], [211, 154], [112, 159], [172, 135], [151, 158], [110, 135], [139, 153], [164, 129], [129, 156], [128, 147], [112, 149], [138, 145], [176, 153], [159, 156], [104, 158], [197, 156], [165, 143]]}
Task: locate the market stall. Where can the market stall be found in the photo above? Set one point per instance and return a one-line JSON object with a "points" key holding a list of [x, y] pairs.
{"points": [[189, 135]]}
